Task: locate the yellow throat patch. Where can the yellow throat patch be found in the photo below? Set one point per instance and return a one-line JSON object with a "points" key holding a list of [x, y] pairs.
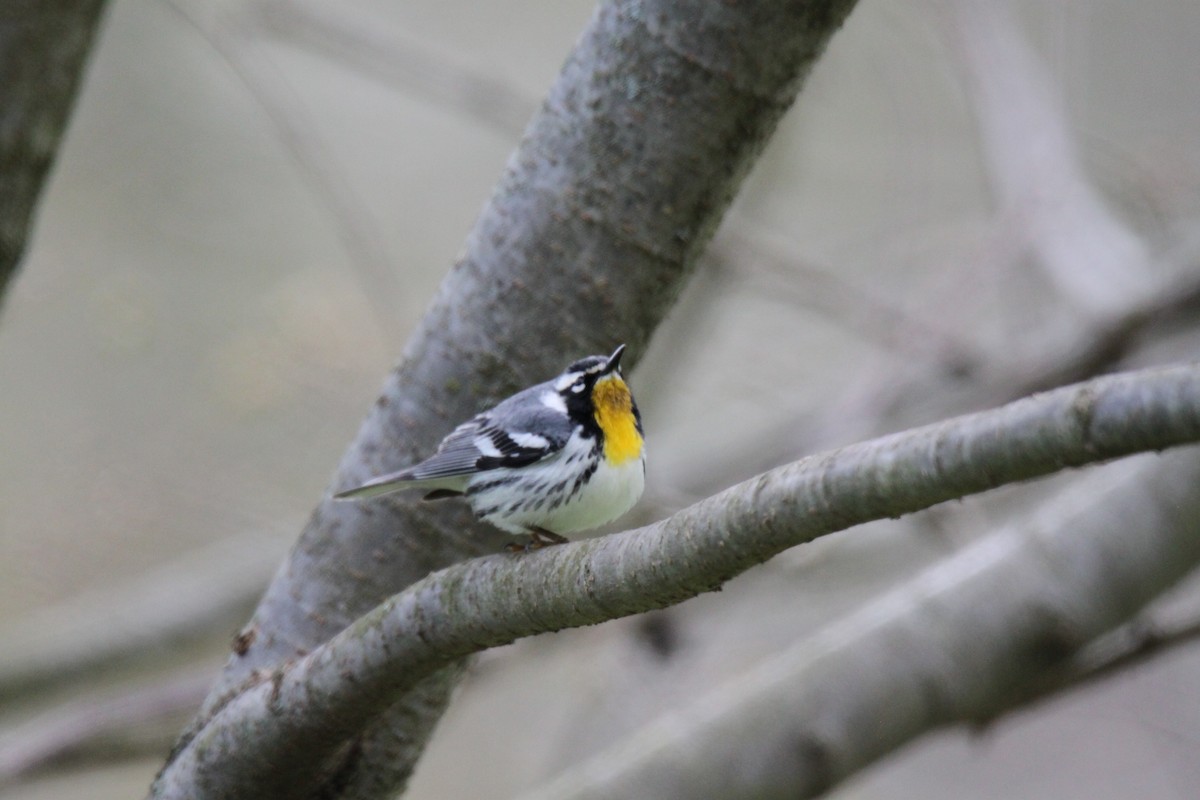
{"points": [[614, 415]]}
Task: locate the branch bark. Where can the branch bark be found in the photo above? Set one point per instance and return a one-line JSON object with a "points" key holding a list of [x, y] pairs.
{"points": [[269, 739], [44, 46], [953, 645], [619, 183]]}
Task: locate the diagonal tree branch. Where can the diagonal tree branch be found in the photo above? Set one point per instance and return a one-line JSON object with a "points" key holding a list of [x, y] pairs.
{"points": [[620, 181], [293, 714], [565, 259], [44, 45]]}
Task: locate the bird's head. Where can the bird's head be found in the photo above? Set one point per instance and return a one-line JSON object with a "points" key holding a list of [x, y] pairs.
{"points": [[597, 396]]}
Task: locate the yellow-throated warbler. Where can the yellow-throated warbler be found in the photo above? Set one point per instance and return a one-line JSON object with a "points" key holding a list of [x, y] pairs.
{"points": [[558, 457]]}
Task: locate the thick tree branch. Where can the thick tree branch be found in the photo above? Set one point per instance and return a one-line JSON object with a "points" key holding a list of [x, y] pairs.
{"points": [[294, 714], [621, 179]]}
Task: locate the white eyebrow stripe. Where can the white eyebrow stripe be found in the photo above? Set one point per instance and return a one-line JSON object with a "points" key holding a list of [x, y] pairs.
{"points": [[565, 380], [553, 400], [531, 441], [486, 446]]}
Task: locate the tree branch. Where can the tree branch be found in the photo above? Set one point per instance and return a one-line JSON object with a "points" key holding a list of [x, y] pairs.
{"points": [[618, 185], [951, 645], [100, 725], [203, 592], [44, 46], [1095, 261], [404, 64], [1131, 645], [269, 738], [230, 36]]}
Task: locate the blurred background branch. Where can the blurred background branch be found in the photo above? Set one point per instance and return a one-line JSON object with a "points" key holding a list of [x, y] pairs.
{"points": [[950, 645], [203, 595], [104, 726]]}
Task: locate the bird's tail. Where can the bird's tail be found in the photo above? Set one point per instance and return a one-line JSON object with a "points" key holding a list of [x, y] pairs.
{"points": [[384, 484]]}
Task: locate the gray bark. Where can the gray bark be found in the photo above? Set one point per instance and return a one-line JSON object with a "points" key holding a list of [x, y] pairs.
{"points": [[44, 46], [954, 644], [619, 183], [270, 739]]}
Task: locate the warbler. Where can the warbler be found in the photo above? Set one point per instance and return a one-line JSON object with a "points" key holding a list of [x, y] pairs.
{"points": [[562, 456]]}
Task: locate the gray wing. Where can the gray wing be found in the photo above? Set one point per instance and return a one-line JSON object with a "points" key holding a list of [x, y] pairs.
{"points": [[520, 431]]}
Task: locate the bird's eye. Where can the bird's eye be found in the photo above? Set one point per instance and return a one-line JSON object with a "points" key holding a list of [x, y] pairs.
{"points": [[577, 387]]}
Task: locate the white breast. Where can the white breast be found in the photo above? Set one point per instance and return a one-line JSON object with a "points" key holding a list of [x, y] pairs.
{"points": [[610, 493], [545, 494]]}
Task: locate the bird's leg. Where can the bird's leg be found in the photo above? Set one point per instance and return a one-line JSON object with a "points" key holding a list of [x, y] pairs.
{"points": [[538, 538]]}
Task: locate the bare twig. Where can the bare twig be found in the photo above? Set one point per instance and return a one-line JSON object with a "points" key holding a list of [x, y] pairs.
{"points": [[403, 64], [1089, 255], [88, 725], [231, 35], [953, 377], [767, 261], [1105, 344], [206, 591]]}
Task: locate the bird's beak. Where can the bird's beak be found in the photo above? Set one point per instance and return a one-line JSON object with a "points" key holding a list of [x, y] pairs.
{"points": [[614, 361]]}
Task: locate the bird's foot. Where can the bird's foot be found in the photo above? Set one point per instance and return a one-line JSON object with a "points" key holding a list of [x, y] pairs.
{"points": [[538, 538]]}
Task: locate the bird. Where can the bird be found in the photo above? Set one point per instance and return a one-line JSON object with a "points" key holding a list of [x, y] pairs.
{"points": [[556, 458]]}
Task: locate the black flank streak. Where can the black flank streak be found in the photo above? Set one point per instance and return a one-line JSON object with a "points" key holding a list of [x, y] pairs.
{"points": [[583, 477], [442, 494], [475, 489]]}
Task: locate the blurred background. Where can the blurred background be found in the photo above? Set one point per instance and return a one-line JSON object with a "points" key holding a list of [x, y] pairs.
{"points": [[256, 200]]}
